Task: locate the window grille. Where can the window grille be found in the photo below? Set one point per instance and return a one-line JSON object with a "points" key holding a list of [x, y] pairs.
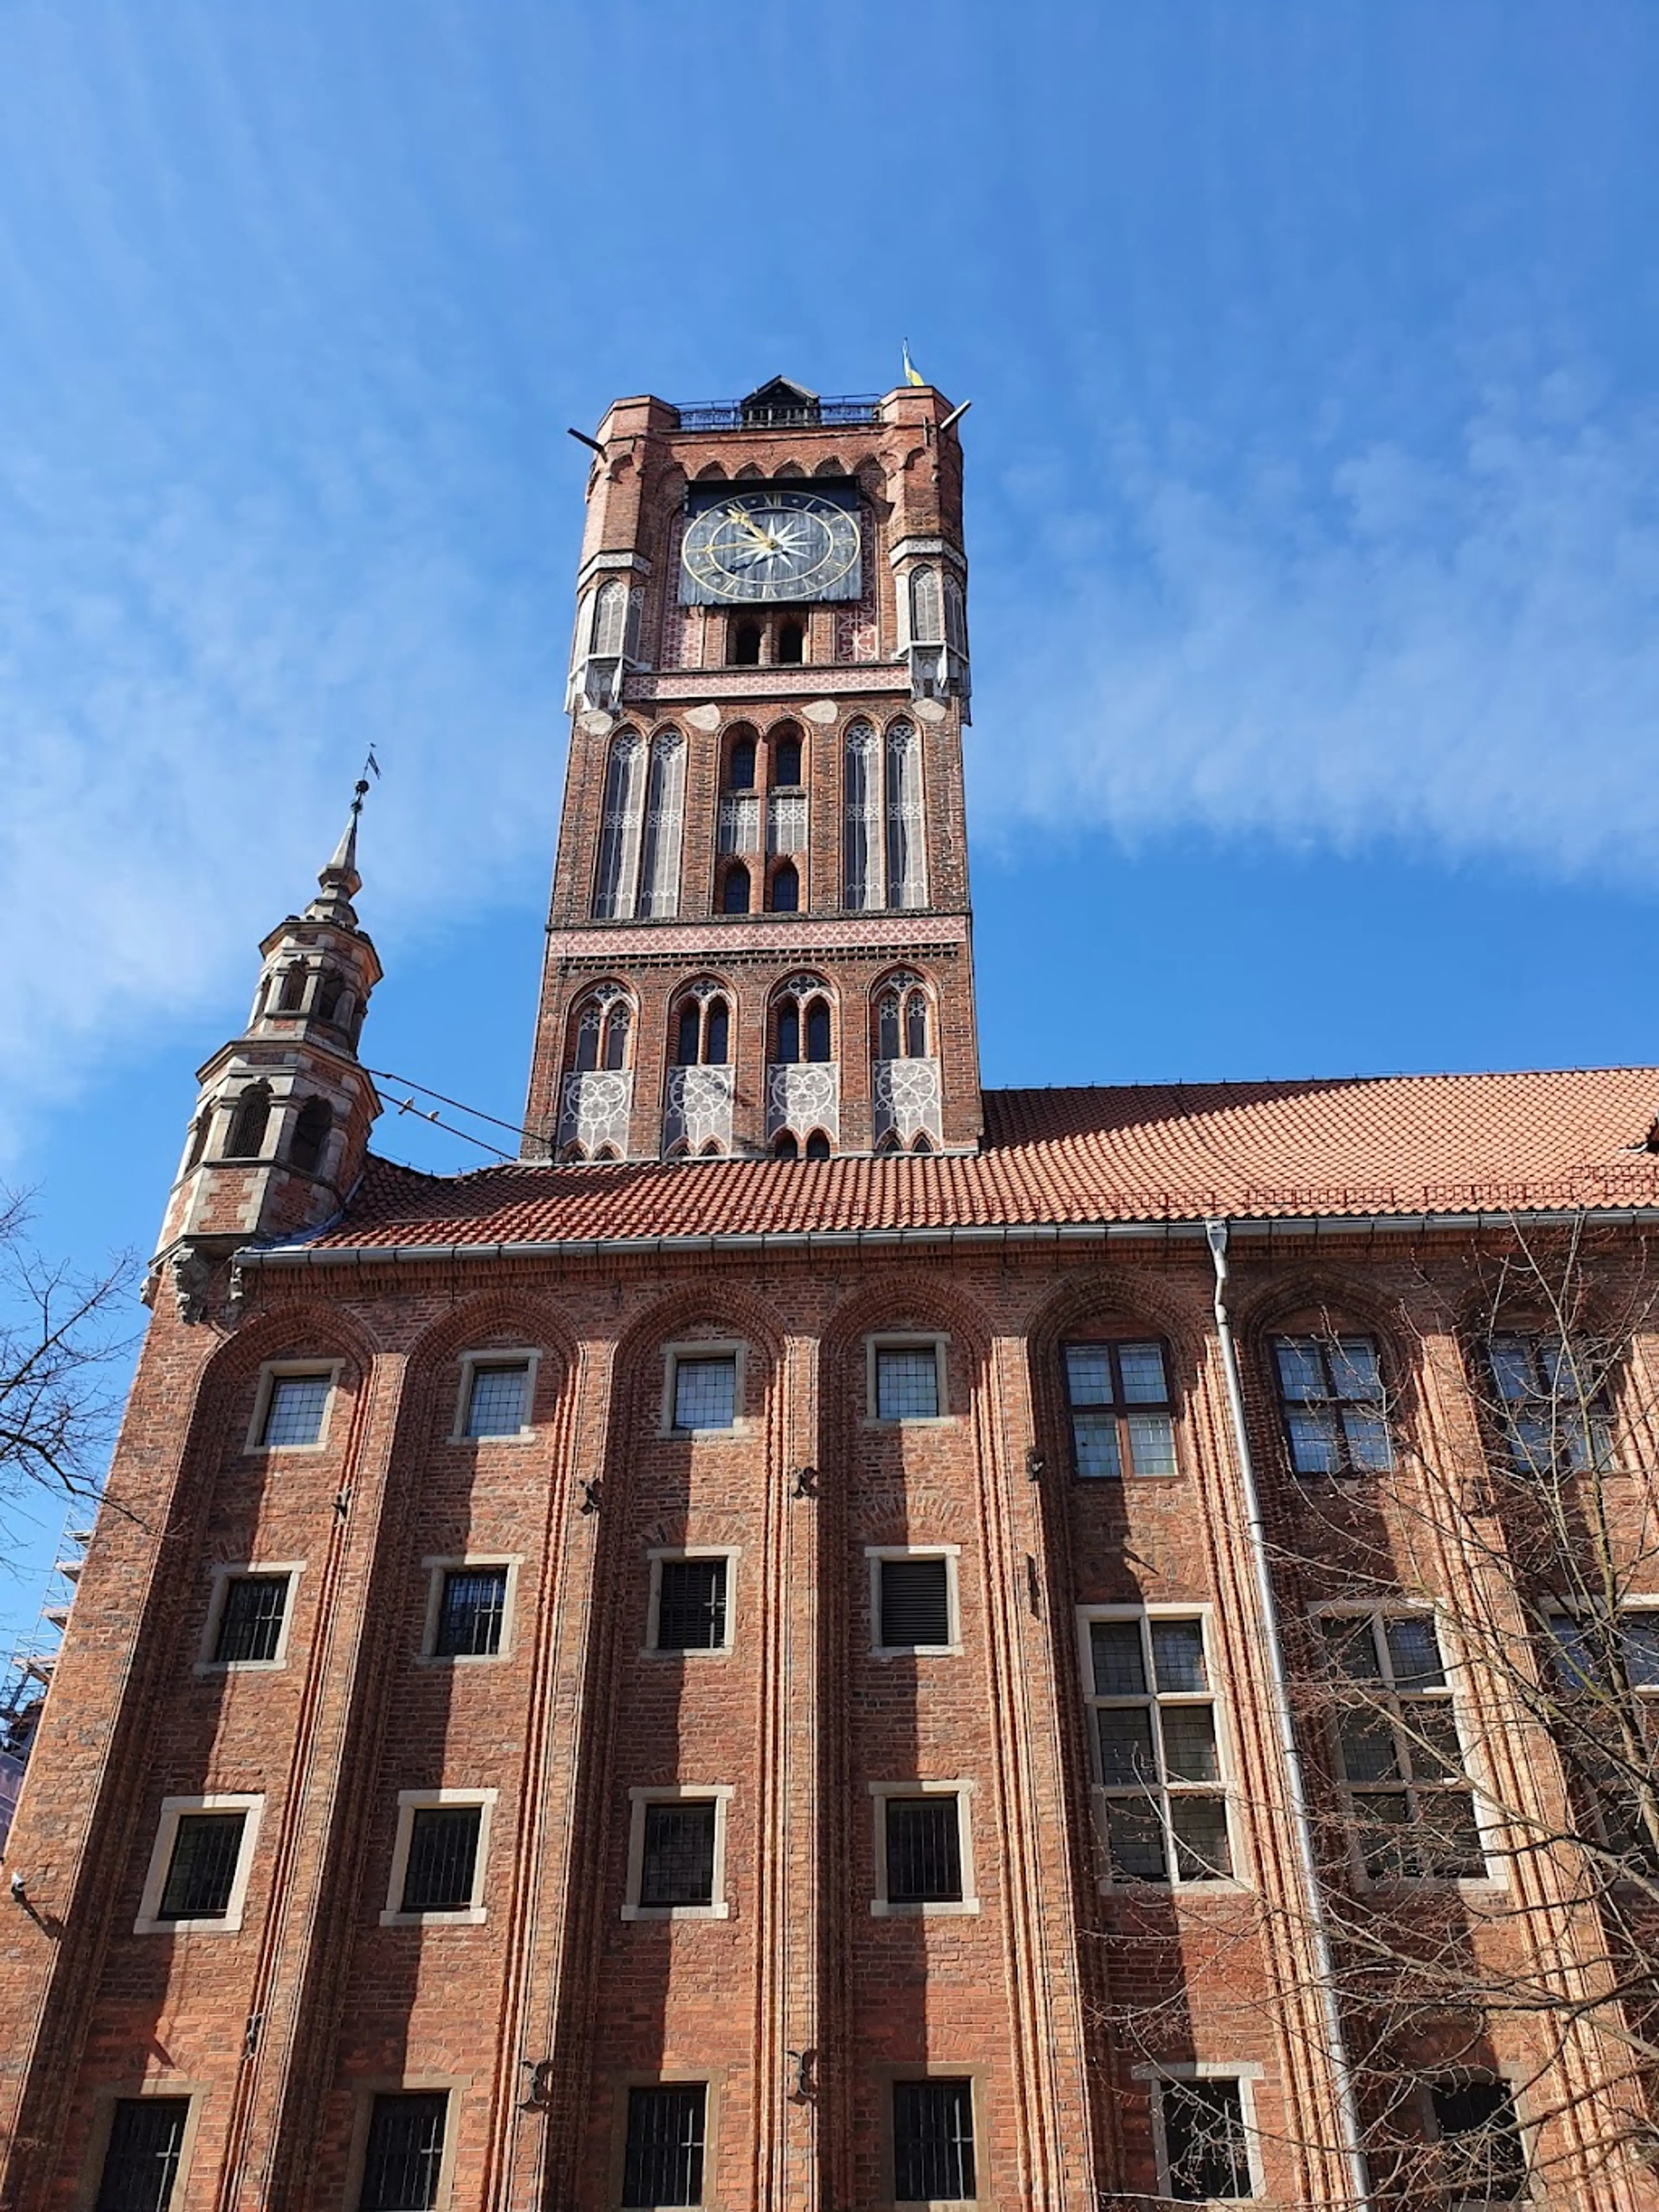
{"points": [[141, 2163], [1483, 2158], [1400, 1760], [495, 1403], [1205, 2146], [706, 1392], [250, 1621], [924, 1850], [1158, 1756], [907, 1382], [691, 1605], [1553, 1414], [201, 1872], [1608, 1678], [295, 1409], [662, 2160], [933, 2142], [440, 1870], [471, 1613], [677, 1865], [1330, 1390], [915, 1602], [405, 2153], [1123, 1416]]}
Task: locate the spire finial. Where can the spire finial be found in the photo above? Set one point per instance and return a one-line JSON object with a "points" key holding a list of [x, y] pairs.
{"points": [[339, 881]]}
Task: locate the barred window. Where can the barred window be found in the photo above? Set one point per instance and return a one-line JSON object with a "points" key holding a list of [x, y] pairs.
{"points": [[250, 1618], [1205, 2147], [924, 1850], [295, 1408], [440, 1872], [1330, 1392], [705, 1391], [497, 1401], [141, 2164], [1483, 2159], [1157, 1756], [914, 1603], [1122, 1417], [405, 2153], [1608, 1678], [662, 2163], [1551, 1408], [1399, 1754], [471, 1610], [907, 1382], [691, 1605], [202, 1871], [678, 1864], [933, 2141]]}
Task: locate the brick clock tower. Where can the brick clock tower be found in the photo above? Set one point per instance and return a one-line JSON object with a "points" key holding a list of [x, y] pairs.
{"points": [[760, 938]]}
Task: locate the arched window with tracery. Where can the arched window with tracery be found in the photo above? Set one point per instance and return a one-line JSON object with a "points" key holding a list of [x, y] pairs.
{"points": [[619, 828], [740, 760], [702, 1030], [248, 1123], [664, 821], [907, 879], [601, 1031], [926, 616], [905, 1103], [861, 840], [312, 1125], [610, 616], [803, 1029], [902, 1018]]}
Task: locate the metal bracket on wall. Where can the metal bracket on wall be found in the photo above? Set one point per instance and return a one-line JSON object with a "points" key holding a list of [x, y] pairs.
{"points": [[806, 1482]]}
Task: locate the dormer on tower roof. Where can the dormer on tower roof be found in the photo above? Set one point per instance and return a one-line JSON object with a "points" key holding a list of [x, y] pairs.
{"points": [[779, 400]]}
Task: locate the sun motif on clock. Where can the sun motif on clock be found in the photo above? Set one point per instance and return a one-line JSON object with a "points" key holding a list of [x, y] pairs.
{"points": [[770, 546]]}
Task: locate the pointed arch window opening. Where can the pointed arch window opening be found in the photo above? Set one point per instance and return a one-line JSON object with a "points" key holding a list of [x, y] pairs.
{"points": [[786, 746], [620, 829], [785, 888], [703, 1032], [604, 1023], [792, 643], [248, 1123], [740, 763], [734, 890], [906, 876], [818, 1146], [291, 994], [313, 1126], [862, 850], [664, 829], [330, 992]]}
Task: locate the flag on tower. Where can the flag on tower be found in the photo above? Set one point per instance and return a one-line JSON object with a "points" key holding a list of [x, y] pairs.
{"points": [[912, 373]]}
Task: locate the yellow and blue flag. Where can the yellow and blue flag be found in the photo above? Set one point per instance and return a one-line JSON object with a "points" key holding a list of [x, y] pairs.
{"points": [[912, 373]]}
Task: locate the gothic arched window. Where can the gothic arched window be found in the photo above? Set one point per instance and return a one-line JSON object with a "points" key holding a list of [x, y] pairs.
{"points": [[603, 1022], [311, 1132], [703, 1030], [792, 643], [293, 991], [247, 1123], [818, 1146], [785, 1147], [926, 617], [664, 817], [907, 885], [610, 616], [817, 1030], [861, 844], [788, 1032], [740, 762], [902, 1018], [619, 828], [956, 617], [330, 992], [802, 1026], [785, 756], [734, 890], [786, 888]]}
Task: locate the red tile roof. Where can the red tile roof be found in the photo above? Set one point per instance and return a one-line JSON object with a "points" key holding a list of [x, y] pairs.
{"points": [[1366, 1145]]}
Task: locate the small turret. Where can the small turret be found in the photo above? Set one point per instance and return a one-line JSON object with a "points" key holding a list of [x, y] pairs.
{"points": [[281, 1127]]}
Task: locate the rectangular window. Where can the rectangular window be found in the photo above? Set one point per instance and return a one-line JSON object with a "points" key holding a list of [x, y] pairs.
{"points": [[405, 2153], [1398, 1750], [1553, 1414], [924, 1850], [296, 1407], [907, 1382], [1330, 1392], [1157, 1755], [250, 1618], [691, 1605], [933, 2141], [1483, 2158], [1608, 1678], [202, 1871], [498, 1399], [440, 1869], [1122, 1418], [141, 2164], [662, 2162], [1205, 2147], [471, 1609], [914, 1603], [677, 1865], [705, 1391]]}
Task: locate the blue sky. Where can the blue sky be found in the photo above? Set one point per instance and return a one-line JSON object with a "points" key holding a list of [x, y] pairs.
{"points": [[1313, 505]]}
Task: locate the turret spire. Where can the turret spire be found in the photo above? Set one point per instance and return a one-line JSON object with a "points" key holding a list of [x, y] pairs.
{"points": [[339, 882]]}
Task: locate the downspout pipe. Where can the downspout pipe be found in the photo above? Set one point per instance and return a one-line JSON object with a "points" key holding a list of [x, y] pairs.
{"points": [[1336, 2046]]}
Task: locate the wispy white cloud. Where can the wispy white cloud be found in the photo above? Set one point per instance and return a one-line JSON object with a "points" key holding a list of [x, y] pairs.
{"points": [[1456, 645]]}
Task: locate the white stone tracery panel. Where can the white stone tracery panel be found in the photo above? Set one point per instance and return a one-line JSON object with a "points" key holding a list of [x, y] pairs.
{"points": [[803, 1096], [664, 818], [907, 871], [785, 824], [698, 1107], [862, 848], [906, 1101], [620, 828], [739, 824], [594, 1110]]}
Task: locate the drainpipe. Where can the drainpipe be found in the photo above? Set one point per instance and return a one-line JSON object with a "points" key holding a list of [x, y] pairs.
{"points": [[1336, 2047]]}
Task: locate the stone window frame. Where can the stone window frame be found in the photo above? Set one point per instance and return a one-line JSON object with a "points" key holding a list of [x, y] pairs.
{"points": [[660, 1553], [677, 1793], [937, 1340], [170, 1812], [888, 2072], [711, 2080], [1246, 2073], [411, 1802], [506, 1355], [962, 1788], [1631, 1602], [876, 1554], [105, 2098], [269, 1371], [715, 1347], [436, 1567], [1526, 2126], [365, 2090], [218, 1596]]}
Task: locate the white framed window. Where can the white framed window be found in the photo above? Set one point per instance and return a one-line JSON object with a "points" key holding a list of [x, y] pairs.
{"points": [[293, 1404], [907, 1378], [250, 1613], [692, 1603], [496, 1397], [667, 2131], [141, 2142], [402, 2143], [1157, 1745], [468, 1606], [703, 1388], [924, 1850], [1606, 1669], [438, 1858], [199, 1864], [676, 1852], [1205, 2137], [915, 1606]]}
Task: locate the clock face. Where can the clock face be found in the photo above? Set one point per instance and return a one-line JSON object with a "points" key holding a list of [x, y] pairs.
{"points": [[770, 545]]}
